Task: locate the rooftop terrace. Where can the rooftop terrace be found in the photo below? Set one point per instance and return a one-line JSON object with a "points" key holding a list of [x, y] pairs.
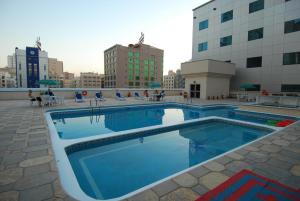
{"points": [[28, 170]]}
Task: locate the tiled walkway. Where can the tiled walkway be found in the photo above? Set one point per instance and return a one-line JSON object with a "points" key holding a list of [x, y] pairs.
{"points": [[28, 172]]}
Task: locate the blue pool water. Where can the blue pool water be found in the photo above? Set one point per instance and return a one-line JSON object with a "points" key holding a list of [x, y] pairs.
{"points": [[87, 123], [113, 168]]}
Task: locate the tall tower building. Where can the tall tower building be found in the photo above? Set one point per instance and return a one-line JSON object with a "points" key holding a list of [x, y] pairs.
{"points": [[135, 66]]}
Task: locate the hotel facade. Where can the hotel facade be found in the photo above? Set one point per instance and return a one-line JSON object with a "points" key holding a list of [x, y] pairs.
{"points": [[31, 66], [262, 39], [135, 66]]}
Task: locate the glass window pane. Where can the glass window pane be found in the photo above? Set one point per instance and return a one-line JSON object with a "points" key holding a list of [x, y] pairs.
{"points": [[227, 16], [225, 41], [255, 34], [202, 47], [291, 58], [292, 26], [203, 25], [256, 6], [254, 62]]}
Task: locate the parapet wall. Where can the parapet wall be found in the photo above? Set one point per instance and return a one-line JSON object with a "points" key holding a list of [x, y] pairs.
{"points": [[68, 93]]}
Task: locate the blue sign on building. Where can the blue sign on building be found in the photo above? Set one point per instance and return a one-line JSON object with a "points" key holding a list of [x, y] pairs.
{"points": [[32, 67]]}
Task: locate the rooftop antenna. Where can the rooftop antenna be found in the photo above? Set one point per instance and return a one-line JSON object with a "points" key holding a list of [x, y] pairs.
{"points": [[141, 40], [38, 43]]}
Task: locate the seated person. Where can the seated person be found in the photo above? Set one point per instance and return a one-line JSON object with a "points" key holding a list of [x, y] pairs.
{"points": [[32, 98], [50, 92], [146, 94]]}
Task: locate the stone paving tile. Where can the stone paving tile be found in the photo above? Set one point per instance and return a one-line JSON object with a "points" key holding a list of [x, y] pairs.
{"points": [[181, 194], [200, 189], [270, 148], [36, 194], [147, 195], [186, 180], [11, 175], [223, 160], [235, 156], [35, 180], [13, 158], [36, 154], [36, 161], [295, 170], [37, 142], [214, 166], [199, 171], [236, 166], [257, 156], [38, 169], [9, 196], [212, 179], [165, 187]]}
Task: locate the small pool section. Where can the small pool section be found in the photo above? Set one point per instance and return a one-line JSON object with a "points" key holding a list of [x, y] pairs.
{"points": [[111, 168], [91, 122]]}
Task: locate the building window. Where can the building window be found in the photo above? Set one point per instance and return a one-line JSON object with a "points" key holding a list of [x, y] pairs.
{"points": [[291, 58], [256, 6], [292, 26], [227, 16], [256, 87], [255, 34], [254, 62], [290, 88], [225, 41], [202, 47], [19, 66], [203, 25], [45, 77], [20, 80]]}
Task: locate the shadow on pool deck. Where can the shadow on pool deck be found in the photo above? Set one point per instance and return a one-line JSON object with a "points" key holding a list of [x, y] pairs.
{"points": [[28, 172]]}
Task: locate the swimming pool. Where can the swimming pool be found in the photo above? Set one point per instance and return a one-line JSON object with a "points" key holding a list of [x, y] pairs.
{"points": [[112, 153], [149, 157], [85, 123]]}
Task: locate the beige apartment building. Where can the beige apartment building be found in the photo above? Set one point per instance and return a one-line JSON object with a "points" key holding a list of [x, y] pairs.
{"points": [[133, 66], [91, 80], [69, 80], [169, 80], [55, 70]]}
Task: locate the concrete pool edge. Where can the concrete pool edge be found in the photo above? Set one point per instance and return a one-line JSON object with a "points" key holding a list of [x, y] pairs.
{"points": [[72, 187]]}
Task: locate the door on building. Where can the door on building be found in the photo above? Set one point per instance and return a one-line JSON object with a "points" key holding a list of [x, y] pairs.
{"points": [[195, 90]]}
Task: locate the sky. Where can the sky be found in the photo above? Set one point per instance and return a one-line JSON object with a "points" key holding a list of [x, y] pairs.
{"points": [[78, 31]]}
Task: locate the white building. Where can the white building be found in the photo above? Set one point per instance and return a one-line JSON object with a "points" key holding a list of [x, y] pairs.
{"points": [[169, 80], [31, 67], [261, 37], [7, 80]]}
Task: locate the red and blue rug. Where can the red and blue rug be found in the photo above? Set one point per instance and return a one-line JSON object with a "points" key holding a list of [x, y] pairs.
{"points": [[248, 186]]}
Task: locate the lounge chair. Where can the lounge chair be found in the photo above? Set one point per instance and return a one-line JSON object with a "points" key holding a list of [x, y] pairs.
{"points": [[119, 96], [99, 97], [138, 97], [79, 98]]}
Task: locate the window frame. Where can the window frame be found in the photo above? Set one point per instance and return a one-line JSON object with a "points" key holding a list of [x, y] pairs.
{"points": [[295, 26], [255, 31], [223, 16], [296, 59], [253, 65], [255, 6], [202, 26], [203, 48], [223, 44]]}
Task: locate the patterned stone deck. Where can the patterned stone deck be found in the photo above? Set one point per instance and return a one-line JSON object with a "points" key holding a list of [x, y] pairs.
{"points": [[28, 172]]}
